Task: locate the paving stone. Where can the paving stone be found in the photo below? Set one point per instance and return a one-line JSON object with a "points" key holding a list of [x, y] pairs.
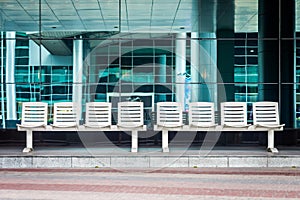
{"points": [[16, 162], [198, 161], [164, 161], [130, 161], [50, 162], [90, 162], [284, 161], [247, 162], [37, 184]]}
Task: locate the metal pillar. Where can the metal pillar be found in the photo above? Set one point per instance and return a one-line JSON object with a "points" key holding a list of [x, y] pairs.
{"points": [[134, 141], [208, 67], [195, 66], [2, 81], [77, 76], [162, 74], [10, 76], [180, 67]]}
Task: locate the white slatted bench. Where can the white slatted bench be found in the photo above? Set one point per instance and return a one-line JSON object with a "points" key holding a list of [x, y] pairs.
{"points": [[98, 118], [202, 114], [233, 118], [34, 116], [234, 115], [64, 119], [131, 118], [169, 117], [64, 116], [98, 115], [266, 117]]}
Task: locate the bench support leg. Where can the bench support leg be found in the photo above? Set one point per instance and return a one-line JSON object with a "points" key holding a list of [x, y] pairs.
{"points": [[134, 141], [165, 141], [29, 140], [271, 147]]}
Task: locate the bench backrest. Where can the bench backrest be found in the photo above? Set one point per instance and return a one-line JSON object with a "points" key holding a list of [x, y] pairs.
{"points": [[169, 114], [234, 113], [265, 113], [98, 114], [201, 114], [34, 113], [64, 114], [130, 114]]}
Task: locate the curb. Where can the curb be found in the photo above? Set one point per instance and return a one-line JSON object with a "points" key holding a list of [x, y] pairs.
{"points": [[212, 171]]}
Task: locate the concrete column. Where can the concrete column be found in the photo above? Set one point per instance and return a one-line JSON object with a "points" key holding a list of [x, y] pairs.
{"points": [[10, 76], [77, 75], [180, 67], [276, 55]]}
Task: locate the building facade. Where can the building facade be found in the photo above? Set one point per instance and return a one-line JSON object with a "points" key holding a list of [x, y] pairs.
{"points": [[171, 50]]}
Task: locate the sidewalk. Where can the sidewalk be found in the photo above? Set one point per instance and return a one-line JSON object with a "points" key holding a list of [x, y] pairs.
{"points": [[178, 184], [148, 158], [203, 171]]}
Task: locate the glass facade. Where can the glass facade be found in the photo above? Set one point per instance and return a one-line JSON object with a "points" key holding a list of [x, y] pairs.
{"points": [[114, 50]]}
